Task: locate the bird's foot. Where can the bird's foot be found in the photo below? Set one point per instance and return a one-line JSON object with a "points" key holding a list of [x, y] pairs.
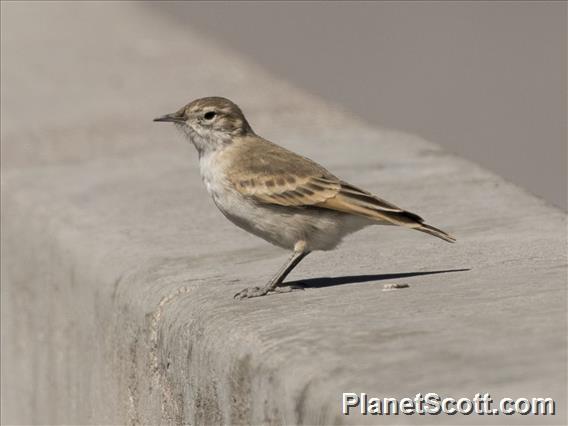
{"points": [[251, 292]]}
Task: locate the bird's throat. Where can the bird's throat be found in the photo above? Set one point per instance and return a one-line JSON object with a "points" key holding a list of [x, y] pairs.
{"points": [[205, 141]]}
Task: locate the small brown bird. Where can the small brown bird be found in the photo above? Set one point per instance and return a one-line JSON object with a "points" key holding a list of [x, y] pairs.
{"points": [[271, 192]]}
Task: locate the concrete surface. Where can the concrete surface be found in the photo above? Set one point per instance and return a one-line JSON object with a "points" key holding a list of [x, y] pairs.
{"points": [[118, 272], [484, 79]]}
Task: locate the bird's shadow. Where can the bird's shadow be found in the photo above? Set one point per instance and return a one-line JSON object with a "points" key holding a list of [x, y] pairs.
{"points": [[355, 279]]}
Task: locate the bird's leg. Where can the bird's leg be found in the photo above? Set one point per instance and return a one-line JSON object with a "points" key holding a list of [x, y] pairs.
{"points": [[290, 264]]}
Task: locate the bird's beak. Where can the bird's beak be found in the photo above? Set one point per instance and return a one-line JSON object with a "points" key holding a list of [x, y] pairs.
{"points": [[175, 117]]}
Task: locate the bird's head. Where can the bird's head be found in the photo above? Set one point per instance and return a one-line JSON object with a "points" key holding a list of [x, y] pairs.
{"points": [[210, 118]]}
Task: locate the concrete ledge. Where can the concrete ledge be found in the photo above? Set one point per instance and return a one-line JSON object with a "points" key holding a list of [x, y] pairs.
{"points": [[118, 272]]}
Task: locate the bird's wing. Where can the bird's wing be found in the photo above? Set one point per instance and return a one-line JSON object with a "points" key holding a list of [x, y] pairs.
{"points": [[271, 174], [274, 175], [324, 192], [289, 190]]}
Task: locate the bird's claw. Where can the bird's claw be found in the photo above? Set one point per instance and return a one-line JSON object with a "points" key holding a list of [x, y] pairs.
{"points": [[251, 292]]}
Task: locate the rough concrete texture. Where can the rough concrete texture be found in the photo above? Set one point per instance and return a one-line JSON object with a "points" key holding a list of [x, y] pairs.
{"points": [[118, 272]]}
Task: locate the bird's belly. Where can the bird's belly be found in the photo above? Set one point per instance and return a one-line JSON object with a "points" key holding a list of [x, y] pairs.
{"points": [[285, 226]]}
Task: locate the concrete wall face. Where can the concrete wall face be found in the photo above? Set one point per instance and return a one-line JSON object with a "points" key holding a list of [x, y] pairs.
{"points": [[118, 273]]}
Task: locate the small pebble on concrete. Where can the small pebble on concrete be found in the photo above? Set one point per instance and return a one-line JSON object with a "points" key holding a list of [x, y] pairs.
{"points": [[394, 286]]}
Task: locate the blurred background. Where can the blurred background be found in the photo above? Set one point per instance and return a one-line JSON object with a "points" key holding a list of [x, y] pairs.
{"points": [[486, 80], [104, 214]]}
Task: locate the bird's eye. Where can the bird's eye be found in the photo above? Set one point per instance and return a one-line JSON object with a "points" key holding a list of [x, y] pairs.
{"points": [[209, 115]]}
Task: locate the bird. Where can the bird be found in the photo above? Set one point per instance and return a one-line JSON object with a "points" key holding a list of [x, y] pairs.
{"points": [[276, 194]]}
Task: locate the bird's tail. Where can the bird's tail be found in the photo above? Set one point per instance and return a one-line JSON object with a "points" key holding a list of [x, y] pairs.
{"points": [[436, 232], [353, 200]]}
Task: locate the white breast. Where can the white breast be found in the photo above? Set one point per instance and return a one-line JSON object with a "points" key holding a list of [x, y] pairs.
{"points": [[212, 173]]}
